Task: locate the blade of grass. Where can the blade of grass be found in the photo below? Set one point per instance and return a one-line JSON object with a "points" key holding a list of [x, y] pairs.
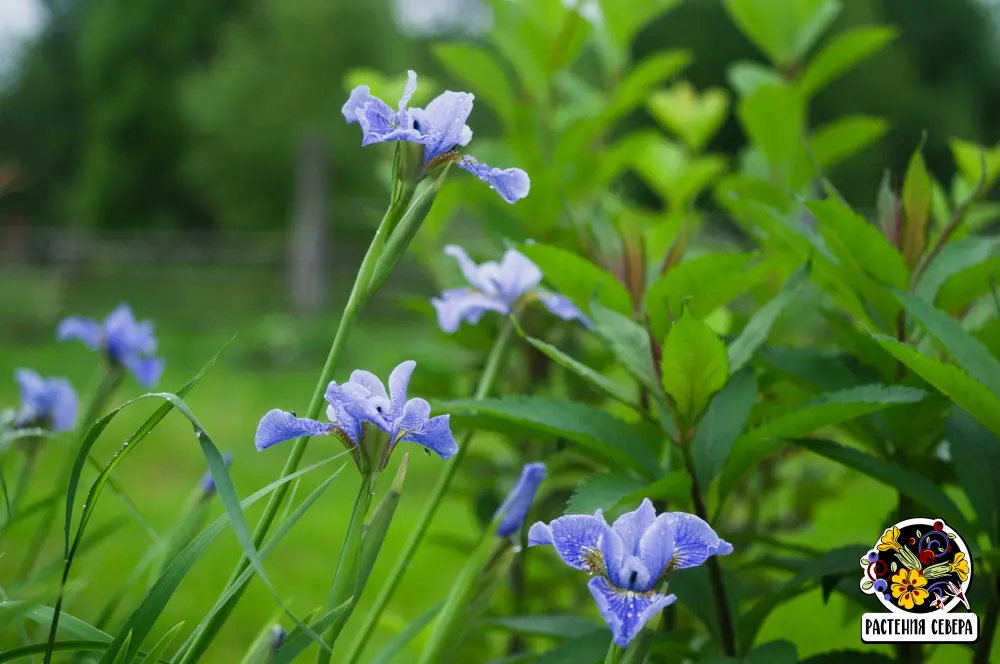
{"points": [[399, 642], [156, 652]]}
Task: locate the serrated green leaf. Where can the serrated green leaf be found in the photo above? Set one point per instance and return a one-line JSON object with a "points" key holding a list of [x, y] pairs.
{"points": [[578, 279], [602, 492], [756, 330], [674, 487], [826, 410], [629, 343], [558, 625], [951, 381], [967, 351], [842, 53], [710, 281], [694, 366], [595, 430], [723, 422], [917, 194], [773, 117], [975, 458], [478, 69], [598, 380], [845, 137], [907, 482]]}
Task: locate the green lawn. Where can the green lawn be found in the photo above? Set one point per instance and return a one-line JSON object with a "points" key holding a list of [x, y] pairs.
{"points": [[274, 362]]}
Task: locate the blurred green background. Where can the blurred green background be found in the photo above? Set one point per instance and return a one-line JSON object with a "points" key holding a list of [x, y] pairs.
{"points": [[149, 153]]}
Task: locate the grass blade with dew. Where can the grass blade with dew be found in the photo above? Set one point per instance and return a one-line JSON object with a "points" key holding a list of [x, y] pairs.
{"points": [[279, 534], [144, 616], [89, 440], [156, 652]]}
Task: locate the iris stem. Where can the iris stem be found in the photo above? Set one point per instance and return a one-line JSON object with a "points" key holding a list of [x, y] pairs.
{"points": [[613, 653], [24, 477], [360, 295], [109, 383], [346, 577], [726, 630], [486, 381]]}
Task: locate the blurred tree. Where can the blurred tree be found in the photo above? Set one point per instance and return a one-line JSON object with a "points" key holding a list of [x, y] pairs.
{"points": [[280, 77], [131, 56]]}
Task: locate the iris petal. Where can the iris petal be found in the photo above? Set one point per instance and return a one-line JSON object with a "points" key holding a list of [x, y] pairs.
{"points": [[626, 612], [278, 426]]}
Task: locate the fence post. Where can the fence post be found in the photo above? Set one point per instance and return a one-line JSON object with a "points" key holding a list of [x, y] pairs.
{"points": [[306, 242]]}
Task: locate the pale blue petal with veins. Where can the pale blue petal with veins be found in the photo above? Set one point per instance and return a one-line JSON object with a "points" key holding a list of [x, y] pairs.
{"points": [[631, 556]]}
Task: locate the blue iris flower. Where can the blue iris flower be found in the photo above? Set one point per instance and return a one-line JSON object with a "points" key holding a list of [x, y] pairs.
{"points": [[47, 403], [126, 342], [631, 557], [440, 128], [364, 399], [208, 482], [515, 507], [497, 287]]}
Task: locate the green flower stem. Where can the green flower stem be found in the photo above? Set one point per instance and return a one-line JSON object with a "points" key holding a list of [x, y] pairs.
{"points": [[726, 630], [486, 381], [24, 477], [360, 294], [613, 653], [109, 383], [346, 577]]}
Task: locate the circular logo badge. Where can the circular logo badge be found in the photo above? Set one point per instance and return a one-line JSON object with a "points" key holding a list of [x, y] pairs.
{"points": [[918, 566]]}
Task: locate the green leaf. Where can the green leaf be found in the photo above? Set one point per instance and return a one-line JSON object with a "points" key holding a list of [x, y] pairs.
{"points": [[773, 117], [597, 380], [839, 561], [917, 194], [629, 343], [378, 525], [956, 258], [123, 656], [784, 30], [775, 652], [756, 330], [479, 70], [970, 284], [623, 19], [859, 243], [842, 53], [745, 77], [674, 174], [907, 482], [674, 487], [647, 74], [967, 351], [398, 643], [59, 646], [845, 137], [969, 159], [824, 411], [578, 279], [710, 281], [694, 366], [695, 117], [726, 418], [557, 625], [595, 430], [951, 381], [156, 652], [602, 492], [975, 458]]}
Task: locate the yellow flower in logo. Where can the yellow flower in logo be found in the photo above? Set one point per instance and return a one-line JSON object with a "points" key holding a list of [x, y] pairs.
{"points": [[960, 566], [908, 588], [890, 540]]}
